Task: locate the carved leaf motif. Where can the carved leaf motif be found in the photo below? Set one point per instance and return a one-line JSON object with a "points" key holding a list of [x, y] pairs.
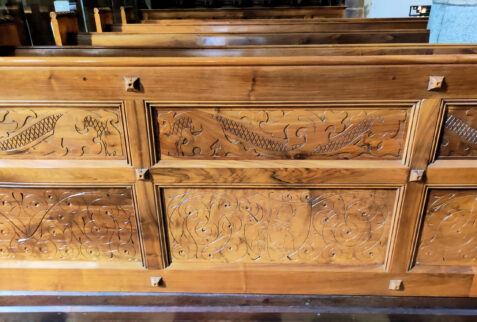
{"points": [[312, 133], [286, 226]]}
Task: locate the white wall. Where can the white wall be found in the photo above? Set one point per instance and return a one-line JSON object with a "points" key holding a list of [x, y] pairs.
{"points": [[391, 8]]}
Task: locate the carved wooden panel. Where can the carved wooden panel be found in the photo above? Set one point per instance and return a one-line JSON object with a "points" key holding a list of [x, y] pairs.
{"points": [[281, 133], [74, 132], [68, 225], [319, 226], [449, 231], [459, 135]]}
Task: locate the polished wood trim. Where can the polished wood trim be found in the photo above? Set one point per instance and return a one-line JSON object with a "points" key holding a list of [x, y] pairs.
{"points": [[237, 61], [278, 173], [243, 279], [415, 191], [452, 172], [59, 306]]}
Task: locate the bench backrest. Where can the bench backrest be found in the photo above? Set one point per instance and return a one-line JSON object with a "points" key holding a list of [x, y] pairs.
{"points": [[204, 40], [8, 32], [65, 27], [271, 26], [245, 13], [103, 19]]}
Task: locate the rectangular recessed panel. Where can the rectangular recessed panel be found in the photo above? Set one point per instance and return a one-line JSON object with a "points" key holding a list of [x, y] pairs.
{"points": [[459, 134], [281, 133], [449, 231], [318, 226], [61, 132], [62, 224]]}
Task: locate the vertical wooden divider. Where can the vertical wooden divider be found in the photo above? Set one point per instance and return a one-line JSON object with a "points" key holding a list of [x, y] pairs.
{"points": [[414, 195], [150, 226]]}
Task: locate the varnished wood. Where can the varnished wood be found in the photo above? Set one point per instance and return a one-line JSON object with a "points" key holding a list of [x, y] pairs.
{"points": [[459, 132], [64, 26], [449, 228], [393, 85], [72, 225], [103, 19], [332, 226], [246, 13], [9, 35], [269, 26], [73, 131], [278, 173], [127, 14], [286, 133], [195, 40], [251, 51]]}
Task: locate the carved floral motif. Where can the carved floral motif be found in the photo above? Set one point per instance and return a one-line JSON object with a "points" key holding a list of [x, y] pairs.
{"points": [[68, 224], [313, 133], [328, 226], [44, 132]]}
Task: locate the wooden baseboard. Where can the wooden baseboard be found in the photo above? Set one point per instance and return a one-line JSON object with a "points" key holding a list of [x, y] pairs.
{"points": [[59, 306]]}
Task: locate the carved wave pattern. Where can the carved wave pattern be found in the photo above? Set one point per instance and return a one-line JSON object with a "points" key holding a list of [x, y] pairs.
{"points": [[282, 134], [68, 225], [459, 138], [326, 226], [449, 232], [66, 132]]}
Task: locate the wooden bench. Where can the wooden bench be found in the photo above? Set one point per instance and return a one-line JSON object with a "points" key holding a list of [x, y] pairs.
{"points": [[245, 13], [270, 174], [9, 35], [216, 39], [252, 51], [272, 26]]}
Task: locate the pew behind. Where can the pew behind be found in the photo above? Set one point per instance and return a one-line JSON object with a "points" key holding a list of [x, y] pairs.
{"points": [[248, 51], [217, 39], [246, 13], [9, 35], [269, 174], [272, 26]]}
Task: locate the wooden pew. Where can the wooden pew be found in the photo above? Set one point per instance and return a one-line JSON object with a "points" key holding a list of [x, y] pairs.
{"points": [[127, 14], [251, 51], [350, 175], [201, 40], [65, 27], [273, 26], [9, 35], [245, 13], [103, 19]]}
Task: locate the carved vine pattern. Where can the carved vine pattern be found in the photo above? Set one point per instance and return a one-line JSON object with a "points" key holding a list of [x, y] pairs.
{"points": [[79, 225], [281, 134], [61, 132], [449, 232], [262, 226]]}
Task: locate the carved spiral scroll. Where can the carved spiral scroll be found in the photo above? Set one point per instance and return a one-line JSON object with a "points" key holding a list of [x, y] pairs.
{"points": [[95, 225], [279, 226]]}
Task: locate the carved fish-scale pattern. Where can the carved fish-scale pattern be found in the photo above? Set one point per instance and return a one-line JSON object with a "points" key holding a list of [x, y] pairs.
{"points": [[61, 132], [313, 133], [37, 131], [459, 134], [319, 226]]}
